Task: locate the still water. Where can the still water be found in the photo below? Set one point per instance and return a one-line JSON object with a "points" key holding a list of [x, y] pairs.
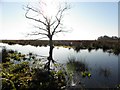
{"points": [[102, 65]]}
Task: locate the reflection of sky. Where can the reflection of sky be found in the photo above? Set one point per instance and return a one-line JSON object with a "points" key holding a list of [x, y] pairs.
{"points": [[96, 60], [88, 20]]}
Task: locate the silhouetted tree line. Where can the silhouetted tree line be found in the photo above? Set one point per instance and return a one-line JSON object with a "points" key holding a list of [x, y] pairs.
{"points": [[105, 37]]}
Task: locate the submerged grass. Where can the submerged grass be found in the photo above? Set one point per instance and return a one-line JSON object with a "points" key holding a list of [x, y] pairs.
{"points": [[76, 70], [77, 65]]}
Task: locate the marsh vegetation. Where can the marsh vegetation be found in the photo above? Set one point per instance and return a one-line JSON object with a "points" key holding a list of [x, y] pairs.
{"points": [[72, 69], [110, 46]]}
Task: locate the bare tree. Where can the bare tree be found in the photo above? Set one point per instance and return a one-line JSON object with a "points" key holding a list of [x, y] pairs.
{"points": [[48, 26]]}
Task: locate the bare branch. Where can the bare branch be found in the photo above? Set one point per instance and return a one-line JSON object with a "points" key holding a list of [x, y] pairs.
{"points": [[58, 18], [41, 28], [32, 9], [50, 25], [58, 12], [38, 11], [53, 23], [38, 33], [26, 15], [60, 31], [42, 38], [56, 26], [47, 20]]}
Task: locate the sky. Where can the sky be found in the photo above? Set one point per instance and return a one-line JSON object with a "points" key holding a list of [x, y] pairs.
{"points": [[84, 21]]}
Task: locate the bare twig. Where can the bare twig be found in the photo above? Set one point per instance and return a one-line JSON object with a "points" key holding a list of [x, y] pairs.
{"points": [[41, 28], [26, 15]]}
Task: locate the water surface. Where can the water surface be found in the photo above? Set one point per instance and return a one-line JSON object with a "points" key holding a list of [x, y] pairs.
{"points": [[102, 65]]}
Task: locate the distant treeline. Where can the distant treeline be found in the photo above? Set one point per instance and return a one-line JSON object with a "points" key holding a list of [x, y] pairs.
{"points": [[103, 42], [101, 39], [105, 37], [80, 43], [46, 42]]}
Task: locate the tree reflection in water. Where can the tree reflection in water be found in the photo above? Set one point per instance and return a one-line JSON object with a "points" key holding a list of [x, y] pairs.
{"points": [[105, 72]]}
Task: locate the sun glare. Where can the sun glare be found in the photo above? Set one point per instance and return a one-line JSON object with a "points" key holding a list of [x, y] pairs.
{"points": [[49, 7]]}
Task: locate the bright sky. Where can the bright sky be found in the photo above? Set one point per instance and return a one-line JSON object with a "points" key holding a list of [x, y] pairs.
{"points": [[85, 20]]}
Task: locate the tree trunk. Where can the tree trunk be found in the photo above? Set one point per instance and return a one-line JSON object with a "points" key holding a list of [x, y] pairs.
{"points": [[50, 58]]}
